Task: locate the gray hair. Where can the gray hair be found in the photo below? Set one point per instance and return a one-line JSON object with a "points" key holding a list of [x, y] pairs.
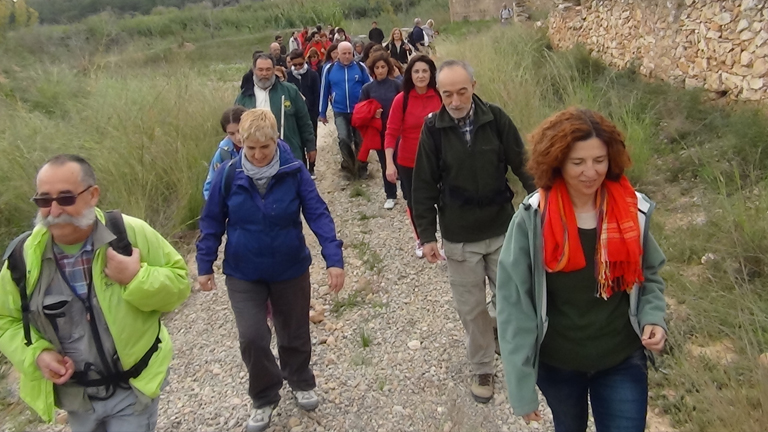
{"points": [[417, 21], [357, 42], [457, 63], [87, 175], [263, 56]]}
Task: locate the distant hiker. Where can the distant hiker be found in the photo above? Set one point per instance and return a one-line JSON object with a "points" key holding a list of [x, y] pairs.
{"points": [[418, 99], [358, 47], [416, 36], [318, 44], [383, 90], [295, 42], [580, 298], [341, 84], [341, 36], [229, 147], [258, 200], [429, 36], [275, 50], [308, 83], [303, 37], [331, 54], [279, 41], [286, 103], [460, 175], [331, 33], [95, 285], [506, 14], [375, 34], [314, 60], [397, 47]]}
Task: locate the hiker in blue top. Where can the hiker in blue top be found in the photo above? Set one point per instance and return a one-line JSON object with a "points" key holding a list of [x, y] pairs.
{"points": [[257, 199], [229, 147], [341, 83]]}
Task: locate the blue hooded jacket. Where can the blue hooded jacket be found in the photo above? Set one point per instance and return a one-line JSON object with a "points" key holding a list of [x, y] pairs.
{"points": [[224, 153], [265, 241]]}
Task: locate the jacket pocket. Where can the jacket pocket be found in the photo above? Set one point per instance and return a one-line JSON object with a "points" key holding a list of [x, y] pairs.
{"points": [[64, 314]]}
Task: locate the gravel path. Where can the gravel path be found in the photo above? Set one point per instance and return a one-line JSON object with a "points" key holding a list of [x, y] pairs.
{"points": [[392, 359]]}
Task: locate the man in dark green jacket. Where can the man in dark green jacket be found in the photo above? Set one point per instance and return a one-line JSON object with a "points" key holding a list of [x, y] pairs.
{"points": [[262, 89], [460, 175]]}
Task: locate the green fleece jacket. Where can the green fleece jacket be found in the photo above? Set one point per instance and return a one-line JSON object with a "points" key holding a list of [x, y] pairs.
{"points": [[521, 298], [467, 183], [298, 131]]}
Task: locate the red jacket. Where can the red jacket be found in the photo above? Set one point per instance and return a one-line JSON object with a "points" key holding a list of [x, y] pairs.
{"points": [[408, 127], [318, 46], [365, 121]]}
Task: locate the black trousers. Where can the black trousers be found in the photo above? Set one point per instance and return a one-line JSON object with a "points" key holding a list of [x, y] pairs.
{"points": [[290, 315], [406, 185]]}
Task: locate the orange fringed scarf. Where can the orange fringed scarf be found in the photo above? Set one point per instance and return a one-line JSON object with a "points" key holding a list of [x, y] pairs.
{"points": [[618, 258]]}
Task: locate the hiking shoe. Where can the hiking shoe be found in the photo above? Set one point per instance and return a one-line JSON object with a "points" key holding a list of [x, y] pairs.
{"points": [[260, 418], [389, 204], [307, 400], [482, 388], [312, 175]]}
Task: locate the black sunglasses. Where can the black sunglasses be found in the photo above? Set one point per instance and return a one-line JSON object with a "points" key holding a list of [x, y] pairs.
{"points": [[65, 200]]}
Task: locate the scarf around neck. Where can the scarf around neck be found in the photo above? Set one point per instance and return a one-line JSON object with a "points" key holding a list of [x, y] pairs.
{"points": [[262, 175], [300, 72], [619, 252]]}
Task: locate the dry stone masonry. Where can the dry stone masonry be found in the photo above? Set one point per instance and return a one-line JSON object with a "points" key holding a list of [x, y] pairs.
{"points": [[720, 45]]}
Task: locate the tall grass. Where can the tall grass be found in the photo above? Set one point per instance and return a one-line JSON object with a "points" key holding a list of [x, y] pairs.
{"points": [[706, 166]]}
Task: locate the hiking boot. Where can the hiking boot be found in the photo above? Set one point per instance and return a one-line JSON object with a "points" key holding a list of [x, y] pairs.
{"points": [[260, 418], [307, 400], [389, 204], [482, 388]]}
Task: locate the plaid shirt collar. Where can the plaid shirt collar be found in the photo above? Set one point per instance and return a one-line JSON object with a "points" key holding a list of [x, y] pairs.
{"points": [[467, 123]]}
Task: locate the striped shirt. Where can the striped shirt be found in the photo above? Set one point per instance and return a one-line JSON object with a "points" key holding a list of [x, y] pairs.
{"points": [[77, 267]]}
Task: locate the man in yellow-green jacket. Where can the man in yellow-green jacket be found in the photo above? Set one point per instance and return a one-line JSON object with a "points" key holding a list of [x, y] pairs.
{"points": [[94, 346]]}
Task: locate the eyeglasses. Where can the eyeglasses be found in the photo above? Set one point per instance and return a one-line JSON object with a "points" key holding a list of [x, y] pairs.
{"points": [[64, 200]]}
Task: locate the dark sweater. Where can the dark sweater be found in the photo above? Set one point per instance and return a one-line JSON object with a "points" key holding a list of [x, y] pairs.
{"points": [[585, 332], [383, 92], [309, 86], [454, 174], [376, 35]]}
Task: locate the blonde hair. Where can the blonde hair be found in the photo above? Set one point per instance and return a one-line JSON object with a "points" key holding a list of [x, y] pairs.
{"points": [[258, 125]]}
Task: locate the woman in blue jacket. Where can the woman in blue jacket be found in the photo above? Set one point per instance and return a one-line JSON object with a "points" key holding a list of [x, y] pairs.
{"points": [[256, 199]]}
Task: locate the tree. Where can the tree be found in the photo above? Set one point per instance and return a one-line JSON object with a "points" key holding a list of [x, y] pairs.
{"points": [[20, 14], [6, 7]]}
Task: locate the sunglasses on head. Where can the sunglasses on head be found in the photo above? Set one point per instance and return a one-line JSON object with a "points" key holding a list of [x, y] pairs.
{"points": [[63, 200]]}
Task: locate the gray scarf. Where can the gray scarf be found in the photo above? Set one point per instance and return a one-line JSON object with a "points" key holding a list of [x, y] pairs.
{"points": [[300, 72], [262, 175]]}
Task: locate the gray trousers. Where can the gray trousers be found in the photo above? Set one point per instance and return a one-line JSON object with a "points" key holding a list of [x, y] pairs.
{"points": [[116, 414], [469, 264]]}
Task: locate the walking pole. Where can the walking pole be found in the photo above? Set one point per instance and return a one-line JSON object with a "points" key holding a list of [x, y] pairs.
{"points": [[282, 116]]}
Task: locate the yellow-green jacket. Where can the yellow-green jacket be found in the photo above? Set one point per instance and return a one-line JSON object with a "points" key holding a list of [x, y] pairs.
{"points": [[132, 312]]}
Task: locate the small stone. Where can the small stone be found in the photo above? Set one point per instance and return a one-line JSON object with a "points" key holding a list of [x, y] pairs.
{"points": [[236, 401], [724, 18], [329, 327], [414, 344], [331, 341], [398, 409], [322, 340], [217, 371], [293, 422], [62, 418], [316, 317]]}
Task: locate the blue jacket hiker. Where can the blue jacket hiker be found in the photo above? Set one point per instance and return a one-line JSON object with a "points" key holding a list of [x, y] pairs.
{"points": [[265, 239], [341, 84], [225, 152]]}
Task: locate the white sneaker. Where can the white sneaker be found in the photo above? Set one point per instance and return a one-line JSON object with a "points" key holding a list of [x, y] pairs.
{"points": [[307, 400], [389, 204], [419, 250], [260, 418]]}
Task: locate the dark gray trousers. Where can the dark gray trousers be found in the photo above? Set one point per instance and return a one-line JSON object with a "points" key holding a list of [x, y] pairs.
{"points": [[290, 315]]}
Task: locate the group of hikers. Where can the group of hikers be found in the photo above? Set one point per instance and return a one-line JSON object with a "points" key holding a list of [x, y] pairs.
{"points": [[577, 303]]}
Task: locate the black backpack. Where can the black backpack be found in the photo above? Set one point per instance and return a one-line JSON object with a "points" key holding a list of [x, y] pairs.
{"points": [[14, 255]]}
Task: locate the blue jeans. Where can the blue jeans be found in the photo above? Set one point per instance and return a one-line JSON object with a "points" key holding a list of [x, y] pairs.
{"points": [[619, 396]]}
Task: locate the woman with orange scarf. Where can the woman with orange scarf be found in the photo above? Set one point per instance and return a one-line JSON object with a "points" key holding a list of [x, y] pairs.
{"points": [[580, 302]]}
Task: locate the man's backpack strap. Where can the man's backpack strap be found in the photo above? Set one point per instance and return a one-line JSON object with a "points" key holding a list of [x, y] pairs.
{"points": [[14, 255], [116, 224]]}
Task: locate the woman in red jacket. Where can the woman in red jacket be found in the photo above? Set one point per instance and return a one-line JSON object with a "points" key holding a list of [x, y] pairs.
{"points": [[418, 99]]}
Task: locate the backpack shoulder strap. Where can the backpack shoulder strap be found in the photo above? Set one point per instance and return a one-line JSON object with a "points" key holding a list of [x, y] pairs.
{"points": [[437, 137], [361, 67], [225, 155], [229, 178], [14, 255], [115, 223]]}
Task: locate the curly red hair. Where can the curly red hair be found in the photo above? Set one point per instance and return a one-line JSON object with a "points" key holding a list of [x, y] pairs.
{"points": [[552, 140]]}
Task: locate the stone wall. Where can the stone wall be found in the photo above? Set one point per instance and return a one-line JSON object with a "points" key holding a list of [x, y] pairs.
{"points": [[720, 45]]}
